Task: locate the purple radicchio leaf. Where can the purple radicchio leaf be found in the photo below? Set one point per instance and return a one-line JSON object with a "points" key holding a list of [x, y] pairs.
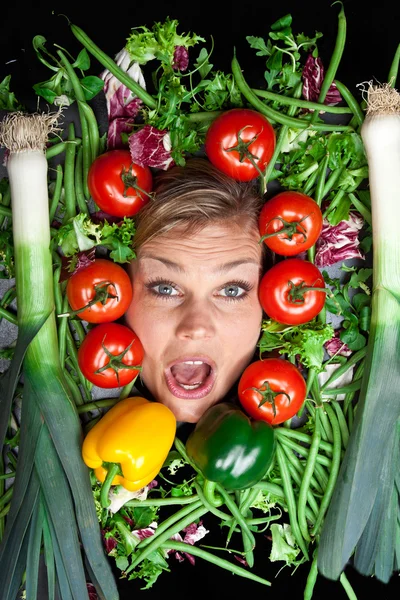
{"points": [[151, 147], [122, 104], [193, 533], [313, 76], [109, 541], [145, 532], [181, 58], [242, 560], [335, 346], [339, 242], [91, 591]]}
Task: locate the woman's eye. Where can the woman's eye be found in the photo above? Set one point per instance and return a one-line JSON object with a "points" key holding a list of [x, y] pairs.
{"points": [[164, 289], [232, 291]]}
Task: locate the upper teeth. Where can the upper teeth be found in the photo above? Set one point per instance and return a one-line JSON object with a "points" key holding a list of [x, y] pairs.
{"points": [[193, 362]]}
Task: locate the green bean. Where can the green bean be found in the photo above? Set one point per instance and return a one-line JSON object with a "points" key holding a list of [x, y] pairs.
{"points": [[335, 201], [347, 587], [4, 512], [350, 395], [354, 359], [310, 498], [281, 99], [60, 147], [344, 430], [270, 488], [57, 192], [299, 469], [210, 507], [78, 330], [84, 126], [8, 475], [273, 114], [247, 498], [281, 138], [331, 181], [321, 475], [326, 429], [96, 405], [365, 212], [74, 388], [335, 59], [170, 522], [220, 562], [72, 352], [6, 497], [62, 333], [162, 501], [351, 102], [354, 386], [290, 500], [312, 179], [109, 64], [302, 437], [5, 314], [394, 68], [305, 482], [80, 195], [69, 183], [303, 451], [337, 450], [93, 128], [236, 514], [159, 538], [319, 191], [311, 579]]}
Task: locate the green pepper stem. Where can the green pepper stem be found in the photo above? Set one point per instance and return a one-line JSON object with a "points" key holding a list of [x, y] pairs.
{"points": [[210, 495]]}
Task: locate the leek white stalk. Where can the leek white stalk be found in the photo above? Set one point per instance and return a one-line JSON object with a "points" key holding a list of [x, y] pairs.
{"points": [[363, 518], [52, 491]]}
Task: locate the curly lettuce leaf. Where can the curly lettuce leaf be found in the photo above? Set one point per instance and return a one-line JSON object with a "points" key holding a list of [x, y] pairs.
{"points": [[82, 234]]}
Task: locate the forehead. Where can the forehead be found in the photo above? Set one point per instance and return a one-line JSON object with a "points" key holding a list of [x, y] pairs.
{"points": [[214, 244]]}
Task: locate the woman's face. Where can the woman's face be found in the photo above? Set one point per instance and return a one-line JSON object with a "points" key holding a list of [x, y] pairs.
{"points": [[195, 309]]}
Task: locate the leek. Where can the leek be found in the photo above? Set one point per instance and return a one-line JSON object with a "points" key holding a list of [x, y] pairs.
{"points": [[362, 520], [52, 500]]}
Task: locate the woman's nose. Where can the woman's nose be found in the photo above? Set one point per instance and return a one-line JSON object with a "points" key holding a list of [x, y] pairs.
{"points": [[196, 321]]}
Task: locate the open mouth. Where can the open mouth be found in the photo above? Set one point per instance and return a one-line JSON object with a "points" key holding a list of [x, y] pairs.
{"points": [[192, 378]]}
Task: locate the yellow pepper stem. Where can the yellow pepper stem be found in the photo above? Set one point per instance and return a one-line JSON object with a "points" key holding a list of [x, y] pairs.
{"points": [[105, 488]]}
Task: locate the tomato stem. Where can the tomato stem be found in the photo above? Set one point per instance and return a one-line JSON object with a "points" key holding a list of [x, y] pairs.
{"points": [[296, 292], [268, 395], [243, 150], [101, 296], [115, 363], [288, 227]]}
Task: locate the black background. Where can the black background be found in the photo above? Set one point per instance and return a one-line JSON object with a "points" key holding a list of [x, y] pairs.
{"points": [[372, 38]]}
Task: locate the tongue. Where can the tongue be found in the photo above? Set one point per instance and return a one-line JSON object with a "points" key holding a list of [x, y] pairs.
{"points": [[190, 374]]}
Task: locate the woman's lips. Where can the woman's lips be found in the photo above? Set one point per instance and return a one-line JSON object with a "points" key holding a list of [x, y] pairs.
{"points": [[198, 389]]}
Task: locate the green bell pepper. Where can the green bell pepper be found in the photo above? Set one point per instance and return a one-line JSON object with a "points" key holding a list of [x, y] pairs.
{"points": [[230, 448]]}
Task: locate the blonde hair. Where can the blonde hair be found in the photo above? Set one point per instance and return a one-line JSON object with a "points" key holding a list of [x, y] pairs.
{"points": [[195, 196]]}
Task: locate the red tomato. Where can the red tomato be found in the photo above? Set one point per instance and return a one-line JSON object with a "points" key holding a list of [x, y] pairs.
{"points": [[114, 345], [117, 185], [101, 278], [280, 390], [281, 295], [236, 128], [298, 217]]}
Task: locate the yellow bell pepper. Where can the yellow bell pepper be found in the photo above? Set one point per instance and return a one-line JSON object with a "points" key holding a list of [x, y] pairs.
{"points": [[130, 443]]}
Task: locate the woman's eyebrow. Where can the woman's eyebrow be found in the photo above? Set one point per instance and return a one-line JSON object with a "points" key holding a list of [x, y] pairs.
{"points": [[223, 268]]}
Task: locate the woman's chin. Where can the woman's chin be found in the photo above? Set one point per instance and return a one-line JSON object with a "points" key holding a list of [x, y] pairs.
{"points": [[188, 411]]}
